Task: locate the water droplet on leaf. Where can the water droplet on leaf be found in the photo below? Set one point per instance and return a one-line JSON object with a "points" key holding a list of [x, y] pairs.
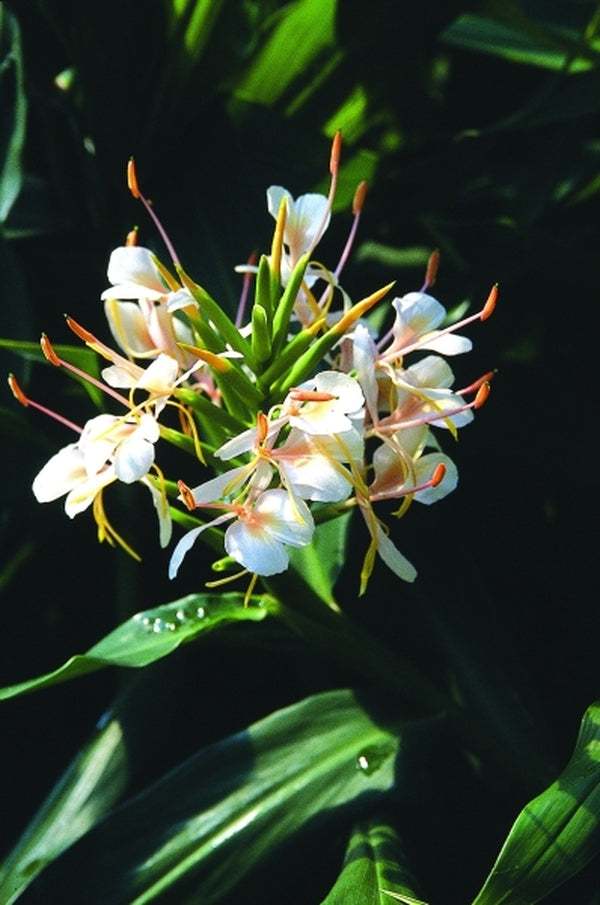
{"points": [[373, 757]]}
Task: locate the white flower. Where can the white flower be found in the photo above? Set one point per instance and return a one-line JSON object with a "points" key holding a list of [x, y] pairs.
{"points": [[66, 474], [109, 449], [134, 274], [306, 220], [128, 443], [401, 467], [417, 317], [140, 306], [329, 403], [260, 534]]}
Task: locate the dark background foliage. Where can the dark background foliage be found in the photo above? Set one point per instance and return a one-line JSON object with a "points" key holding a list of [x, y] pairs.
{"points": [[494, 161]]}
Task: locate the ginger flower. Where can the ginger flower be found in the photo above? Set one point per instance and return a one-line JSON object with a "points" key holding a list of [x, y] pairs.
{"points": [[264, 525], [329, 403], [109, 449], [140, 307], [134, 274], [307, 218], [401, 466], [418, 316]]}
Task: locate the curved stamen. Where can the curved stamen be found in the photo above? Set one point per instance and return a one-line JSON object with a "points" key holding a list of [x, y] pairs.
{"points": [[135, 191]]}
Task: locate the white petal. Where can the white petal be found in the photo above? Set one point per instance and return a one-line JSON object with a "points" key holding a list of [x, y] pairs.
{"points": [[99, 438], [307, 222], [161, 504], [247, 440], [133, 458], [82, 496], [222, 486], [417, 313], [160, 375], [185, 544], [122, 376], [148, 427], [275, 194], [425, 468], [290, 522], [128, 327], [431, 371], [364, 358], [392, 557], [346, 389], [255, 550], [448, 344], [134, 274], [316, 478], [310, 468], [60, 474], [180, 299]]}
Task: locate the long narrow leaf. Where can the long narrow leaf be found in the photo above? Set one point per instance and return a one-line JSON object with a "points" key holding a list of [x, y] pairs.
{"points": [[197, 833], [150, 635], [374, 870], [90, 786], [12, 131], [557, 833]]}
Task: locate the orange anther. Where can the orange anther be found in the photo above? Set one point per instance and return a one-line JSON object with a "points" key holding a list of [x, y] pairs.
{"points": [[438, 474], [299, 395], [262, 427], [17, 391], [80, 331], [482, 394], [490, 303], [132, 237], [186, 495], [336, 150], [132, 179], [359, 197], [432, 268], [49, 352]]}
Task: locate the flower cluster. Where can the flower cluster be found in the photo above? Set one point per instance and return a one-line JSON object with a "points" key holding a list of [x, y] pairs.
{"points": [[300, 410]]}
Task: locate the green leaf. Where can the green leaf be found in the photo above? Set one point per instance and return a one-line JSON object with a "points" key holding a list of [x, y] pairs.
{"points": [[86, 791], [318, 571], [198, 19], [374, 870], [152, 634], [202, 829], [12, 125], [306, 25], [557, 833], [505, 31]]}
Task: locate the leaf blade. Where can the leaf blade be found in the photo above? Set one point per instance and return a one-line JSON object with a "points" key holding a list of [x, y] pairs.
{"points": [[150, 635], [557, 833], [198, 839]]}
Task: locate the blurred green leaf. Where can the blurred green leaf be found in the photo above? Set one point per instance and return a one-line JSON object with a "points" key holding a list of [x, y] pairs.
{"points": [[152, 634], [197, 19], [199, 831], [13, 113], [374, 869], [557, 833], [86, 791], [307, 26], [504, 30]]}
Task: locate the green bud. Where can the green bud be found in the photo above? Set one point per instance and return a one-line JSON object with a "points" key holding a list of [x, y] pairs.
{"points": [[261, 334]]}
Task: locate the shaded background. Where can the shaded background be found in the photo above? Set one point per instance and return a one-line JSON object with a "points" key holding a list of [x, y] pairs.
{"points": [[477, 127]]}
